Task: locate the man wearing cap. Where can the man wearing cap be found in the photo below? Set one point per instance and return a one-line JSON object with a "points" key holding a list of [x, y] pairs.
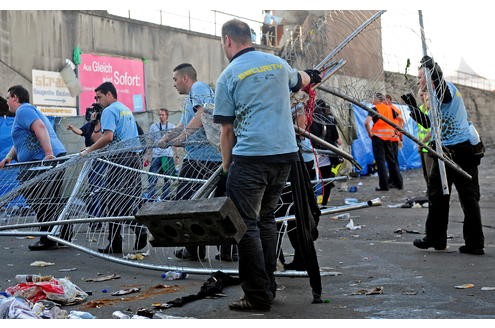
{"points": [[385, 142]]}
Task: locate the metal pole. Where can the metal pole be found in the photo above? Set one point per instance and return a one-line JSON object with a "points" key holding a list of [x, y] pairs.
{"points": [[434, 110], [215, 21], [348, 39], [422, 30]]}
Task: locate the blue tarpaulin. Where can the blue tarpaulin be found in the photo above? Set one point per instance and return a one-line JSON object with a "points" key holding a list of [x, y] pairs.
{"points": [[5, 138], [363, 152]]}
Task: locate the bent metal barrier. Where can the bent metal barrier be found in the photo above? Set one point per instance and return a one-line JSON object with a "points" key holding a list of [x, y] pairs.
{"points": [[85, 200], [84, 196]]}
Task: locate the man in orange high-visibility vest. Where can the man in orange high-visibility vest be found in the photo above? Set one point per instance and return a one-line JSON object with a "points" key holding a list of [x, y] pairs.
{"points": [[385, 142]]}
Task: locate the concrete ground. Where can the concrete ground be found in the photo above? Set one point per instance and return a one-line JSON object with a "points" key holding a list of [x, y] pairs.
{"points": [[414, 284]]}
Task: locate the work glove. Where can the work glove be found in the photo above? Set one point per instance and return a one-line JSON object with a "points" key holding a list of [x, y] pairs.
{"points": [[435, 70], [409, 100], [314, 75], [222, 185]]}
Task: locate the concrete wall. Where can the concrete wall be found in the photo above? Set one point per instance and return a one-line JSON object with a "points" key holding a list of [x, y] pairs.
{"points": [[479, 103], [43, 39]]}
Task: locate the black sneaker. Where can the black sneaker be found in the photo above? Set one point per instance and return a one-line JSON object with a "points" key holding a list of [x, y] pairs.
{"points": [[43, 245], [185, 255], [295, 266], [245, 305], [473, 251], [115, 247], [393, 186], [141, 241], [425, 244]]}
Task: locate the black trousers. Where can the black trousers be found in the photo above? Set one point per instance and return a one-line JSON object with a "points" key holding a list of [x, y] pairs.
{"points": [[386, 155], [46, 198], [469, 196]]}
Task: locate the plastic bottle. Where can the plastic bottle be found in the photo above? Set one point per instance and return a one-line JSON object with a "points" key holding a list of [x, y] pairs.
{"points": [[32, 278], [343, 216], [474, 138], [174, 275]]}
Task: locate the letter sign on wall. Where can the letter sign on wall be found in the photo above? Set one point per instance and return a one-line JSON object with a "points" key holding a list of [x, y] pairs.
{"points": [[126, 74], [50, 94]]}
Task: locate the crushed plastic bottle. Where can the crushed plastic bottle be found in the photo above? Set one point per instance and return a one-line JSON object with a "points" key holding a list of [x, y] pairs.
{"points": [[343, 216], [32, 278], [126, 291], [174, 275]]}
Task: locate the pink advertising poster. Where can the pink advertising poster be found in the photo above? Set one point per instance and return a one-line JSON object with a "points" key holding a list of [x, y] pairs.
{"points": [[126, 74]]}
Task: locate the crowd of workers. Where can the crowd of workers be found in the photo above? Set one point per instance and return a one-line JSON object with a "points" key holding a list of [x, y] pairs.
{"points": [[258, 146]]}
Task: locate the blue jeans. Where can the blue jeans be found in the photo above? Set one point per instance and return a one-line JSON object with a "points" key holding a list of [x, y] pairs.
{"points": [[157, 167], [96, 181], [255, 189]]}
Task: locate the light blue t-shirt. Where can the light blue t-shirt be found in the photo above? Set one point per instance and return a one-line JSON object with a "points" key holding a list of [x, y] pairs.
{"points": [[198, 148], [117, 118], [156, 131], [25, 142], [455, 125], [253, 93]]}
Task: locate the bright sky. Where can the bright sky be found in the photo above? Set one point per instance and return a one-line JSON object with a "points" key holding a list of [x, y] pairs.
{"points": [[459, 34], [454, 29]]}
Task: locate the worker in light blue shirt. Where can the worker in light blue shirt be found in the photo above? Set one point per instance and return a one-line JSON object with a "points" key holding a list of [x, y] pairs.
{"points": [[34, 138], [201, 158], [455, 139], [123, 180], [258, 144], [27, 145]]}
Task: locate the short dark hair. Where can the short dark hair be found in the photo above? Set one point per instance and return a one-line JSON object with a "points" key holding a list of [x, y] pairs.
{"points": [[164, 110], [107, 87], [187, 69], [4, 108], [20, 92], [237, 30]]}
